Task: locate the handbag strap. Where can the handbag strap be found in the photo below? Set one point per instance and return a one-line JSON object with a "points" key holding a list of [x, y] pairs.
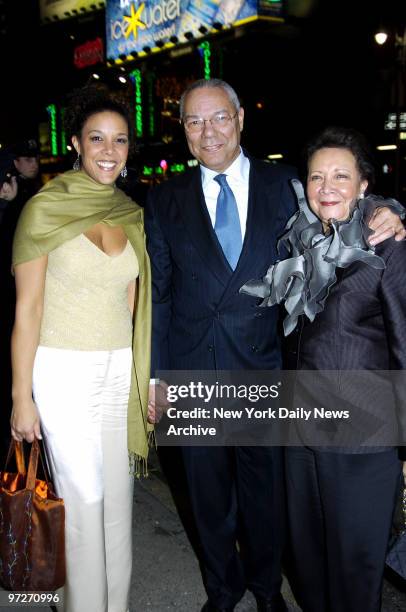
{"points": [[45, 464], [16, 448], [33, 465]]}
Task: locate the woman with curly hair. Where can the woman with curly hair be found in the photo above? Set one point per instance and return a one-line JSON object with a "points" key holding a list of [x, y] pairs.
{"points": [[80, 348]]}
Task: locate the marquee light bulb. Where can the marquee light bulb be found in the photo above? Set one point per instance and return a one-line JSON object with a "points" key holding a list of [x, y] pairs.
{"points": [[381, 38]]}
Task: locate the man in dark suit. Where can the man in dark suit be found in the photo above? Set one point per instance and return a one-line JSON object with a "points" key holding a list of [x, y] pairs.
{"points": [[208, 232]]}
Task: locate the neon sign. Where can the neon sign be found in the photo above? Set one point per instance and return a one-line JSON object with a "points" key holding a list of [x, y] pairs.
{"points": [[51, 109], [136, 77]]}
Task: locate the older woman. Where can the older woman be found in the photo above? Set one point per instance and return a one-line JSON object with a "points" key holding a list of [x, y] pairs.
{"points": [[346, 306], [81, 345]]}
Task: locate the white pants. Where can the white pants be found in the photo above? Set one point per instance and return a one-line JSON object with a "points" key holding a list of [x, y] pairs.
{"points": [[82, 400]]}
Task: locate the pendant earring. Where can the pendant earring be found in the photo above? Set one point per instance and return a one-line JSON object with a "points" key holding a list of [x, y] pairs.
{"points": [[124, 172], [361, 195], [76, 165]]}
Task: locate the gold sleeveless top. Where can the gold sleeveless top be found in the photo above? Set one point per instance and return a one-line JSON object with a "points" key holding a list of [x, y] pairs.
{"points": [[85, 302]]}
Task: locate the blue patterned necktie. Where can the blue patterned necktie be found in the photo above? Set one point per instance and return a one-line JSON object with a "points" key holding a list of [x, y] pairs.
{"points": [[227, 225]]}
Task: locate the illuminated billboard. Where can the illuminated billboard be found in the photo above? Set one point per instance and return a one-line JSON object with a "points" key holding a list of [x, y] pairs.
{"points": [[53, 10], [132, 25]]}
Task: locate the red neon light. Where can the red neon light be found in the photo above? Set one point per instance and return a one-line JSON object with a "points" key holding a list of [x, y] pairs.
{"points": [[89, 53]]}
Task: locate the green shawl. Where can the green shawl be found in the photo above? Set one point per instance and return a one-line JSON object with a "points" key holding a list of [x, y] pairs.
{"points": [[65, 207]]}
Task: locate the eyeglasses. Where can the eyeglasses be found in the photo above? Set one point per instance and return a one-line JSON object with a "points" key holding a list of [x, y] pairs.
{"points": [[218, 121]]}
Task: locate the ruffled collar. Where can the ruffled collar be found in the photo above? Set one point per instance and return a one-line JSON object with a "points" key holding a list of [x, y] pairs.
{"points": [[303, 281]]}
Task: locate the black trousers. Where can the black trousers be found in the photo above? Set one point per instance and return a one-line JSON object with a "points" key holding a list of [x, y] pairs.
{"points": [[340, 509], [238, 496]]}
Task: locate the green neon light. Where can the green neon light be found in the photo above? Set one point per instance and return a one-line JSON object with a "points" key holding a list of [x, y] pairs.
{"points": [[62, 140], [137, 79], [151, 106], [206, 48], [177, 168], [52, 124], [147, 171]]}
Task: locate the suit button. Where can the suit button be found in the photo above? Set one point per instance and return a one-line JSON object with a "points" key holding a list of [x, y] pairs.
{"points": [[254, 349], [194, 276], [258, 314], [210, 347]]}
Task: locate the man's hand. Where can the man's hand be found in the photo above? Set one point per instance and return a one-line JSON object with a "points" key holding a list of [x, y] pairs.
{"points": [[157, 401], [385, 224], [8, 191]]}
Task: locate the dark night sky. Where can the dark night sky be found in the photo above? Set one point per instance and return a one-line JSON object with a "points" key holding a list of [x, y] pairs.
{"points": [[308, 73]]}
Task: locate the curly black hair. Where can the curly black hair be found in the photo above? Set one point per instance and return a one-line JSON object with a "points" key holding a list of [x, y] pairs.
{"points": [[89, 100], [345, 138]]}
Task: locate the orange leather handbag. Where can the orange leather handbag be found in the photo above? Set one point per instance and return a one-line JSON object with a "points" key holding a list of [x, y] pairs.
{"points": [[32, 527]]}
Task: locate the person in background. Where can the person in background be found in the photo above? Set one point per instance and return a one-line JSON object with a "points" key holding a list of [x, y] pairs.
{"points": [[81, 348], [8, 182], [8, 194], [21, 163], [26, 162], [208, 231], [24, 183], [346, 314]]}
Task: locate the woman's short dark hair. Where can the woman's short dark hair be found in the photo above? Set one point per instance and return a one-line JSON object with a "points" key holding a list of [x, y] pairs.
{"points": [[90, 100], [345, 138]]}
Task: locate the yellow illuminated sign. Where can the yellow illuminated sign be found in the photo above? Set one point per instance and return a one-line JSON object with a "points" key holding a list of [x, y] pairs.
{"points": [[134, 21]]}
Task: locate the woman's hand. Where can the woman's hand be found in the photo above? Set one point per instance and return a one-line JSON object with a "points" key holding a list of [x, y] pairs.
{"points": [[25, 421]]}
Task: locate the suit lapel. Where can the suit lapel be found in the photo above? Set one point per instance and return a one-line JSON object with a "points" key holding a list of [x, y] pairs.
{"points": [[199, 227]]}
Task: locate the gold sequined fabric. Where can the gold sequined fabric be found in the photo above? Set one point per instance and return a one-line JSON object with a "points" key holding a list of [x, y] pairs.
{"points": [[85, 303]]}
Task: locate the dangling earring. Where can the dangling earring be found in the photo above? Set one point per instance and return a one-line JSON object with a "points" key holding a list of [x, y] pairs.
{"points": [[361, 195], [124, 172], [76, 165]]}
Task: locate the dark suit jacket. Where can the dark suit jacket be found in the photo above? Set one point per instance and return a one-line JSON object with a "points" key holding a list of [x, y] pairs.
{"points": [[362, 327], [200, 321]]}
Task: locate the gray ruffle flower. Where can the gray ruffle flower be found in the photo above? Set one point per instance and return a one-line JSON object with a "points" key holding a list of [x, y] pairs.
{"points": [[303, 281]]}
